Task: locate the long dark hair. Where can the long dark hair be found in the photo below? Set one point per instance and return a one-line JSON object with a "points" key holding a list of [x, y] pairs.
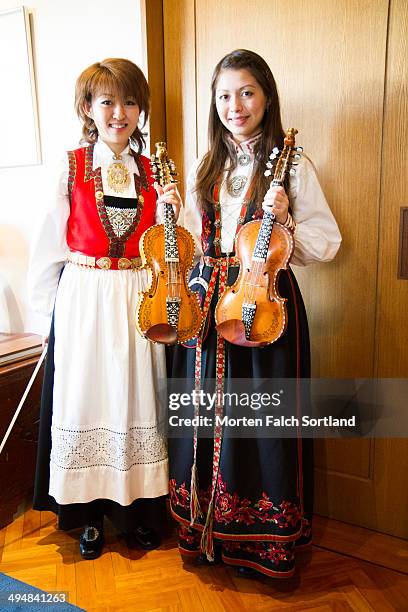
{"points": [[220, 147], [116, 76]]}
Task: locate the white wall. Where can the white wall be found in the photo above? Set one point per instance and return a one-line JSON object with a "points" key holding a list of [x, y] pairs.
{"points": [[67, 37]]}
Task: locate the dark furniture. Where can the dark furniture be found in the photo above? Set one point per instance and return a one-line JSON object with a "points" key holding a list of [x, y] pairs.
{"points": [[19, 354]]}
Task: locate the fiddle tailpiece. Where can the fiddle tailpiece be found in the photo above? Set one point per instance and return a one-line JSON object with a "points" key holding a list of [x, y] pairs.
{"points": [[168, 312], [251, 312]]}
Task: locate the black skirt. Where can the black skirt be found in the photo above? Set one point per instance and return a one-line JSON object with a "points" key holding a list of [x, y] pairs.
{"points": [[264, 491]]}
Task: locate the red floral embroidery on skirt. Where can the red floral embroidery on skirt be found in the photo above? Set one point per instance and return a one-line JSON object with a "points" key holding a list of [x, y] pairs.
{"points": [[271, 551], [229, 507], [179, 496]]}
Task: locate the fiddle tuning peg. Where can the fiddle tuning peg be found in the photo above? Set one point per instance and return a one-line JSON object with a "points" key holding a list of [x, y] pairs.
{"points": [[269, 164], [267, 173], [292, 172], [275, 150], [300, 149], [297, 156]]}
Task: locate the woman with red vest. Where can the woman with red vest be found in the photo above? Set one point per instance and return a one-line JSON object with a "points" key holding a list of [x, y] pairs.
{"points": [[101, 451]]}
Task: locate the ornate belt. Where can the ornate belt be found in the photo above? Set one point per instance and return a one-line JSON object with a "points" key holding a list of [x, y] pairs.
{"points": [[218, 262], [105, 263]]}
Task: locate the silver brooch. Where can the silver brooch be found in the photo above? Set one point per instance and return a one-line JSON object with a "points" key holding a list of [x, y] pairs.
{"points": [[235, 185], [244, 159]]}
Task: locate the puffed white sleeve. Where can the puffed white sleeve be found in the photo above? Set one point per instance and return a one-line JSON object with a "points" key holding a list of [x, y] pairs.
{"points": [[49, 249], [190, 214], [317, 235]]}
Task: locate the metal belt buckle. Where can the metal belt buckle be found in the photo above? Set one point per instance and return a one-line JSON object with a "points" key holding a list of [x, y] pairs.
{"points": [[104, 263], [124, 263]]}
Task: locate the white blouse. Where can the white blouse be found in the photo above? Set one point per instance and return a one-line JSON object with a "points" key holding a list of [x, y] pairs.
{"points": [[49, 249], [317, 236]]}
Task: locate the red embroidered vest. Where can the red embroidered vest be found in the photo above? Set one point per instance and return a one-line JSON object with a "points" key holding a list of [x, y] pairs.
{"points": [[89, 229]]}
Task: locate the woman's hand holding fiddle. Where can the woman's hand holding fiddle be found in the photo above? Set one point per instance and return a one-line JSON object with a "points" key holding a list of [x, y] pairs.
{"points": [[168, 194], [276, 201]]}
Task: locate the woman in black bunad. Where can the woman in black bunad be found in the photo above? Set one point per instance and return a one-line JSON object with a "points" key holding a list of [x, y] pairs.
{"points": [[246, 500], [101, 449]]}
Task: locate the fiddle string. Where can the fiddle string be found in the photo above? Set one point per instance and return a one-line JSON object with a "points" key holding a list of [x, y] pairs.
{"points": [[173, 274]]}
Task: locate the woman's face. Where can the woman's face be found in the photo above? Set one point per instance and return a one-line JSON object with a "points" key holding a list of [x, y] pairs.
{"points": [[240, 103], [115, 118]]}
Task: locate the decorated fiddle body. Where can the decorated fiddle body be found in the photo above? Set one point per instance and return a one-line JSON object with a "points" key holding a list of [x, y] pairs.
{"points": [[251, 312], [168, 312]]}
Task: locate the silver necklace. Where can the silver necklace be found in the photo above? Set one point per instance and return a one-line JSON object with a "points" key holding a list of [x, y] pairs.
{"points": [[235, 185]]}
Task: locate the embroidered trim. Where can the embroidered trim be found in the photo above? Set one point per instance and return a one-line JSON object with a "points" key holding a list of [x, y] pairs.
{"points": [[205, 232], [189, 536], [89, 173], [240, 537], [179, 496], [230, 508], [98, 447], [120, 219], [267, 556], [258, 567], [72, 165], [276, 552]]}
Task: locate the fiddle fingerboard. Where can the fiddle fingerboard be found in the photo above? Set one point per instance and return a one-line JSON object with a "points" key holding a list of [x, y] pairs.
{"points": [[264, 236], [265, 233], [171, 252]]}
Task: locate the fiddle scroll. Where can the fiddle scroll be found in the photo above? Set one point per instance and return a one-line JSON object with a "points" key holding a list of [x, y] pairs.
{"points": [[168, 312], [251, 312]]}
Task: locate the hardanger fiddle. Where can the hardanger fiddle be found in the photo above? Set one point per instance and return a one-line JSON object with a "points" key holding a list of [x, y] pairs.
{"points": [[168, 312], [251, 312]]}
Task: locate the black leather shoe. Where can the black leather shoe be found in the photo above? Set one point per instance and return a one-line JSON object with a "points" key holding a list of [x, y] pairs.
{"points": [[144, 537], [91, 541]]}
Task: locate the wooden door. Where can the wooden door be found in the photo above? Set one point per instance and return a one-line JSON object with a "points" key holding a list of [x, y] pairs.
{"points": [[340, 72]]}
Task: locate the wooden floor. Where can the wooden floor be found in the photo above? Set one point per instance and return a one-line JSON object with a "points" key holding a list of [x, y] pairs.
{"points": [[121, 579]]}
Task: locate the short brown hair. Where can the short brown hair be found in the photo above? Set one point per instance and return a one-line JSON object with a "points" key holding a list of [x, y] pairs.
{"points": [[119, 77]]}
